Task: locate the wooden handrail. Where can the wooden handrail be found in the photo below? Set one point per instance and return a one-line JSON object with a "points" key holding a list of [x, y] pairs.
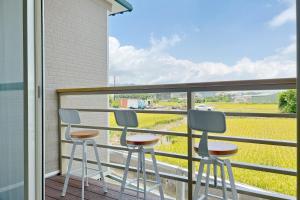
{"points": [[262, 84]]}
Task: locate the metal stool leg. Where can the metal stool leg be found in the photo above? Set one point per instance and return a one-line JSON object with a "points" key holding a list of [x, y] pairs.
{"points": [[198, 183], [207, 180], [223, 181], [157, 177], [125, 174], [69, 171], [144, 172], [139, 166], [99, 166], [83, 168], [231, 179], [86, 168], [215, 174]]}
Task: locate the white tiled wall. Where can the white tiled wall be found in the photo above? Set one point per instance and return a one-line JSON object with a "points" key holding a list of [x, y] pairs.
{"points": [[75, 56]]}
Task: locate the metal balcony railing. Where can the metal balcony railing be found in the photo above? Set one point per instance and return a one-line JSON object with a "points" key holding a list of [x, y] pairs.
{"points": [[189, 89]]}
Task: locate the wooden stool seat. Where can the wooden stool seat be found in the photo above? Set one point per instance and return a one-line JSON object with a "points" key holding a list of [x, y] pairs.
{"points": [[220, 148], [84, 134], [142, 139]]}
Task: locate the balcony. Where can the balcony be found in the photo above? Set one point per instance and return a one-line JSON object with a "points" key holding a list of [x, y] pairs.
{"points": [[54, 186], [178, 179]]}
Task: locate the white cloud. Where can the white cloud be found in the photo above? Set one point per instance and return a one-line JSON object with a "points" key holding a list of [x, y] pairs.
{"points": [[290, 49], [164, 42], [154, 65], [285, 16]]}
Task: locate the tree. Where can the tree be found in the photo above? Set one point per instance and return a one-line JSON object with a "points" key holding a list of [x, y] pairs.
{"points": [[287, 101]]}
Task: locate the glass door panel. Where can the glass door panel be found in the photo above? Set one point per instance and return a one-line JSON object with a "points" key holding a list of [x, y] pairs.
{"points": [[11, 100]]}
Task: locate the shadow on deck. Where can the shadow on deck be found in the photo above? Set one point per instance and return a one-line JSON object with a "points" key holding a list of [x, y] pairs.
{"points": [[54, 185]]}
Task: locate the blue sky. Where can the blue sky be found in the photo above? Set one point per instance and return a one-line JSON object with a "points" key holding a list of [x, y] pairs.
{"points": [[203, 34]]}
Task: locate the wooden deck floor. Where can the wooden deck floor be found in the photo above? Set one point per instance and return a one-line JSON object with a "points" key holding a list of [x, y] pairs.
{"points": [[94, 191]]}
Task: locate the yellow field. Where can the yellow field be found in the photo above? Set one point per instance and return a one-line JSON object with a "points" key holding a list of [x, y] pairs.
{"points": [[266, 128], [230, 107], [148, 121]]}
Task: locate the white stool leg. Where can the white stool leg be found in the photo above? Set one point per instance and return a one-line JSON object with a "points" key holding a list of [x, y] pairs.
{"points": [[99, 166], [86, 168], [144, 172], [223, 181], [69, 171], [138, 175], [231, 179], [198, 183], [157, 177], [83, 169], [139, 171], [207, 180], [125, 174]]}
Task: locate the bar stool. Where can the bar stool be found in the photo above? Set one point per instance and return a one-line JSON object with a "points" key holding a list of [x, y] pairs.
{"points": [[211, 152], [82, 137], [141, 144]]}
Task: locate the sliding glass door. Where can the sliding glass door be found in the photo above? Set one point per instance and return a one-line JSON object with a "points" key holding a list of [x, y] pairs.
{"points": [[11, 100], [17, 101]]}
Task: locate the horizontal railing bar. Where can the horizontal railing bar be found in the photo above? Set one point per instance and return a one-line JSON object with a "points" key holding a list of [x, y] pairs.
{"points": [[182, 134], [178, 112], [267, 115], [263, 84], [250, 140], [181, 178], [184, 112], [120, 166], [262, 168], [242, 165], [114, 147], [277, 170], [157, 132]]}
